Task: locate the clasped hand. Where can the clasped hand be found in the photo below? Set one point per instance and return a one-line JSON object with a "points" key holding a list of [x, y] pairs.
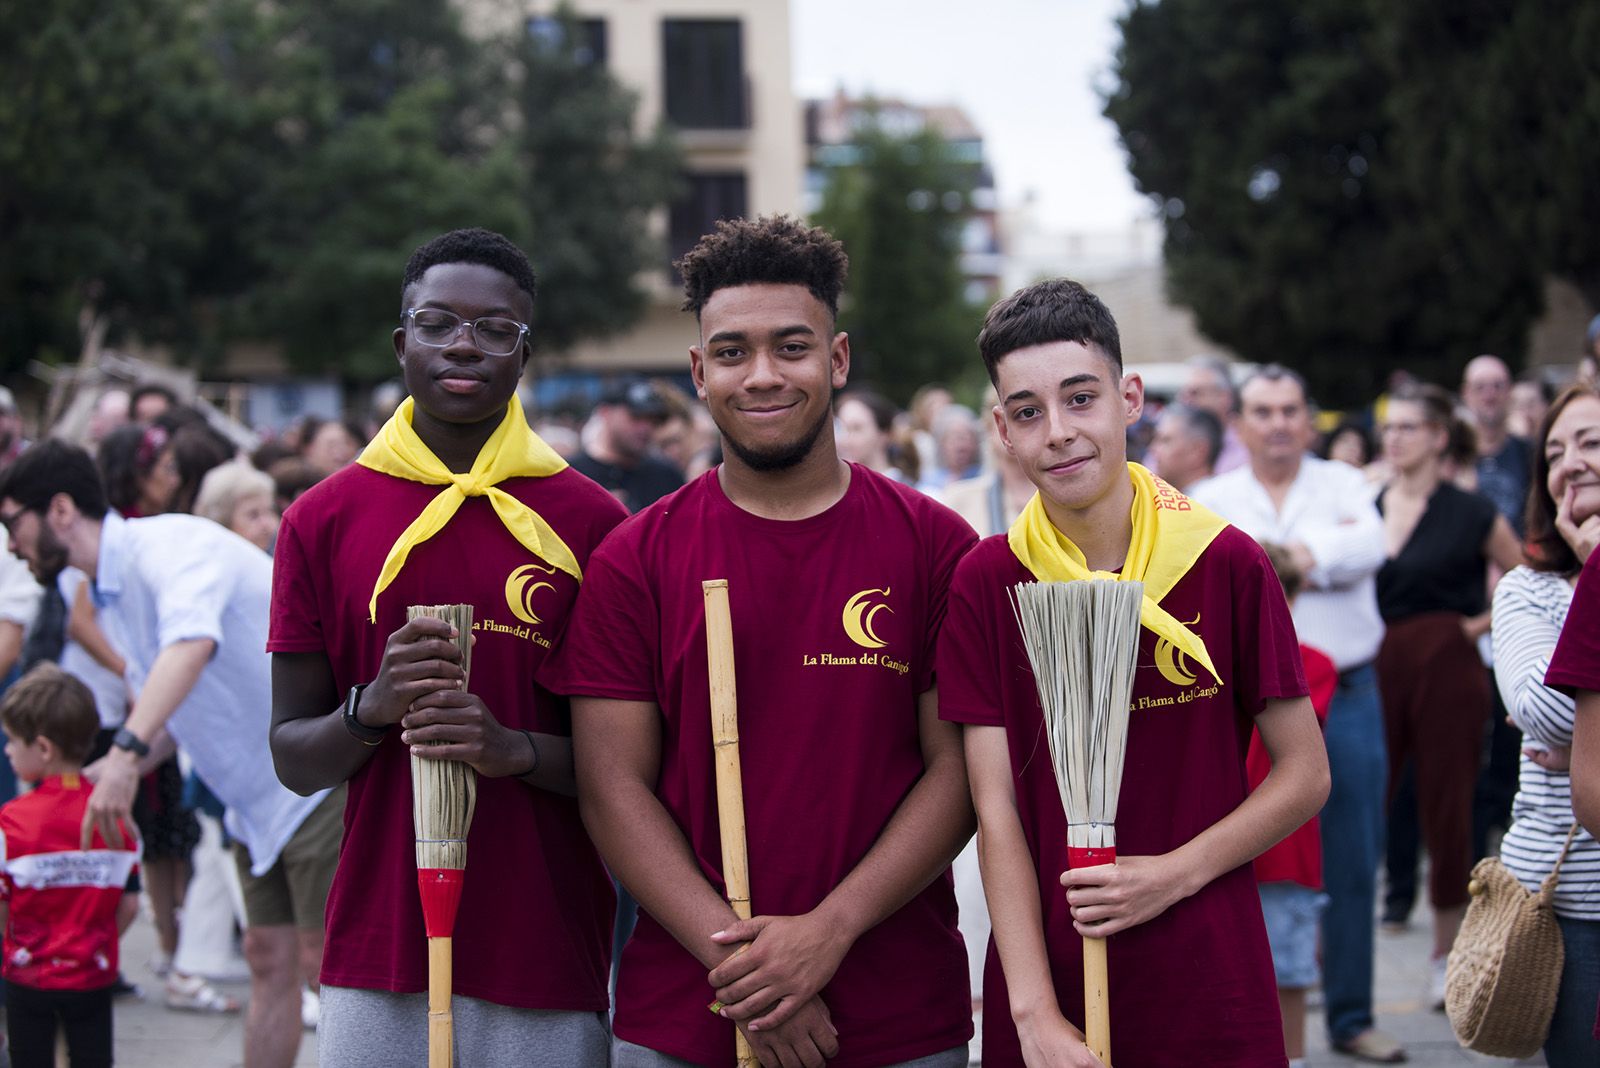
{"points": [[1109, 898]]}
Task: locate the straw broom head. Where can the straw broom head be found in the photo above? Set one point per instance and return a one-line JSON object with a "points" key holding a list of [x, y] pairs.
{"points": [[1082, 640], [444, 792]]}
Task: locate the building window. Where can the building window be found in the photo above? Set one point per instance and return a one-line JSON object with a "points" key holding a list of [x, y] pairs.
{"points": [[591, 44], [703, 65], [707, 198]]}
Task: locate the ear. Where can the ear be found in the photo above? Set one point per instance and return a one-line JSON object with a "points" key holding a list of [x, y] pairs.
{"points": [[400, 343], [1001, 428], [697, 370], [61, 512], [1133, 396], [839, 360]]}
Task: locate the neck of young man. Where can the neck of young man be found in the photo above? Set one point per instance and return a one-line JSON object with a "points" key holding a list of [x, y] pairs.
{"points": [[1103, 530], [1491, 437], [83, 546], [801, 491], [457, 445]]}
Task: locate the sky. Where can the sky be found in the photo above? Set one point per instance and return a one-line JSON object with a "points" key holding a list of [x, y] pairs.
{"points": [[1024, 70]]}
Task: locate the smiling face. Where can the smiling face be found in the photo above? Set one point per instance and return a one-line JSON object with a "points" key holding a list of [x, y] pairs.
{"points": [[1064, 415], [767, 365], [458, 383], [1572, 449]]}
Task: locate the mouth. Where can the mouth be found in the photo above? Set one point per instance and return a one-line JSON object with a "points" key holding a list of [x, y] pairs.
{"points": [[1069, 466], [456, 381], [767, 411]]}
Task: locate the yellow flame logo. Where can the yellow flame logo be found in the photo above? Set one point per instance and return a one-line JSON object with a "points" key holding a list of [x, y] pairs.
{"points": [[520, 588], [1173, 663], [859, 614]]}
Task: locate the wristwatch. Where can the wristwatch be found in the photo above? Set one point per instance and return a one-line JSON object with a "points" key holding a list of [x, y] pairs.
{"points": [[364, 734], [126, 739]]}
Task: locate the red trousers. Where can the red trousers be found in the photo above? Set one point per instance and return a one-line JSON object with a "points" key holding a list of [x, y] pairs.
{"points": [[1435, 701]]}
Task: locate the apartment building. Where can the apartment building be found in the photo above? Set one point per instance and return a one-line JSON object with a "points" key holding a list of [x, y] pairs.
{"points": [[719, 72]]}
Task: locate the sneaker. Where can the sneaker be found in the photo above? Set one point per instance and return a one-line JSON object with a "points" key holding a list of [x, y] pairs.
{"points": [[190, 993], [1436, 974], [1373, 1046], [310, 1008], [121, 988]]}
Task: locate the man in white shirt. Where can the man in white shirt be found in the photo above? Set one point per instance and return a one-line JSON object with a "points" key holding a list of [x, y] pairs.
{"points": [[187, 602], [1322, 513]]}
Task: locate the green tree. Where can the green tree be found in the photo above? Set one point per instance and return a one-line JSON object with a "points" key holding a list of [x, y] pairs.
{"points": [[1321, 170], [898, 205]]}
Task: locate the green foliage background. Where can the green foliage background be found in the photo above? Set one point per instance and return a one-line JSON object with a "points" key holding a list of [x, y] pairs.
{"points": [[202, 171]]}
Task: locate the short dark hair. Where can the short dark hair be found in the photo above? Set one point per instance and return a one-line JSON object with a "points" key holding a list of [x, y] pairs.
{"points": [[773, 250], [1277, 372], [47, 701], [476, 245], [1544, 547], [53, 467], [1057, 309], [881, 408], [1201, 424], [151, 389], [1289, 573]]}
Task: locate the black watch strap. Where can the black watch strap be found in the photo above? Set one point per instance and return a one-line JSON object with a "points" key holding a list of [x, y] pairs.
{"points": [[363, 733], [126, 739]]}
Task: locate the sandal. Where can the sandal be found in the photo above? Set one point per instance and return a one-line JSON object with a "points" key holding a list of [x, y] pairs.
{"points": [[1374, 1046], [191, 993]]}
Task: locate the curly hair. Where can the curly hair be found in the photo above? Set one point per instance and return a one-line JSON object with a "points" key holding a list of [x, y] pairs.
{"points": [[773, 249], [476, 245]]}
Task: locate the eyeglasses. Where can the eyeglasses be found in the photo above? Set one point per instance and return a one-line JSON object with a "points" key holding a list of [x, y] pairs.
{"points": [[437, 328], [8, 519]]}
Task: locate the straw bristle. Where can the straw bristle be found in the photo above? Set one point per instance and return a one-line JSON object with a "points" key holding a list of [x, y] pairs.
{"points": [[1082, 640], [444, 792]]}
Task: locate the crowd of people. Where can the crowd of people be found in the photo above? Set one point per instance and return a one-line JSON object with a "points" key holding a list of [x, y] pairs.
{"points": [[215, 692]]}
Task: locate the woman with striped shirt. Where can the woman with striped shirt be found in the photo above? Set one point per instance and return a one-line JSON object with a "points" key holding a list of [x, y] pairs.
{"points": [[1530, 606]]}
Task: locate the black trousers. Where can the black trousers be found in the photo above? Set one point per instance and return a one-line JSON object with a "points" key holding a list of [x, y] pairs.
{"points": [[34, 1016]]}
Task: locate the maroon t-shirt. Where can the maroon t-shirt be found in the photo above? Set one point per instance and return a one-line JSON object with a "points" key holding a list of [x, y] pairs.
{"points": [[1575, 664], [835, 619], [534, 928], [1195, 985]]}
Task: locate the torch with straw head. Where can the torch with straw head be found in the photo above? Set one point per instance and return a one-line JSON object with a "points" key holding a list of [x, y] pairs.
{"points": [[730, 781], [443, 793], [1082, 640]]}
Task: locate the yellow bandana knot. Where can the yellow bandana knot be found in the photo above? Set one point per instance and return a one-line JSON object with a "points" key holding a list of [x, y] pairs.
{"points": [[1170, 532], [512, 451]]}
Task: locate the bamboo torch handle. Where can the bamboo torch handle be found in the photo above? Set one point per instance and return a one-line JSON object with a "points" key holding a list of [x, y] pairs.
{"points": [[1096, 1002], [441, 1023], [730, 783]]}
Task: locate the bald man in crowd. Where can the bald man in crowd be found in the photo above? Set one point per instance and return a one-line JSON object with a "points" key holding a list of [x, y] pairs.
{"points": [[1186, 446]]}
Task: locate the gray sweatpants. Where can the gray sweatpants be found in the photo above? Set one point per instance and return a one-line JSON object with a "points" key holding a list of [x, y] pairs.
{"points": [[628, 1055], [380, 1029]]}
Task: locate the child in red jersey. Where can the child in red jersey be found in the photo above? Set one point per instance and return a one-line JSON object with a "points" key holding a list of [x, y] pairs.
{"points": [[1289, 875], [60, 902]]}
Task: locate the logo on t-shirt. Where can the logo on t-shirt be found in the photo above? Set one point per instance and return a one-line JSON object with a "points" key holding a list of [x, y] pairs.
{"points": [[521, 585], [859, 615], [1174, 666]]}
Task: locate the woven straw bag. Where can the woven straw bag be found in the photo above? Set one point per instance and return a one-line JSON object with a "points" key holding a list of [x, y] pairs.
{"points": [[1505, 968]]}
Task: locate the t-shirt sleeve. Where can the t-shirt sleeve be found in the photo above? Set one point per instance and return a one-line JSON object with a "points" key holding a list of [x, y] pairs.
{"points": [[1266, 651], [1575, 665], [191, 594], [968, 660], [294, 626], [954, 539], [611, 645]]}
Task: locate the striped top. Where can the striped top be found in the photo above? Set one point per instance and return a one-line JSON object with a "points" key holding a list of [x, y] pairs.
{"points": [[1529, 608]]}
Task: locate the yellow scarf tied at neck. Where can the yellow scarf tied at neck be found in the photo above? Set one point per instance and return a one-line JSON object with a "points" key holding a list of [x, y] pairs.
{"points": [[1170, 532], [512, 451]]}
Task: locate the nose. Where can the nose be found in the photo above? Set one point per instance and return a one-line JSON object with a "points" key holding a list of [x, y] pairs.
{"points": [[463, 343], [1062, 430], [764, 373]]}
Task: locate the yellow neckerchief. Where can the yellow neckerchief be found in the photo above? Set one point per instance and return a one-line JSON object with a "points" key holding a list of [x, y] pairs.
{"points": [[512, 451], [1169, 533]]}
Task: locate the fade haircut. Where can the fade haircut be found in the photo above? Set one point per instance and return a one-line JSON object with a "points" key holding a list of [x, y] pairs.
{"points": [[1277, 372], [1057, 309], [53, 467], [49, 702], [770, 250], [476, 245]]}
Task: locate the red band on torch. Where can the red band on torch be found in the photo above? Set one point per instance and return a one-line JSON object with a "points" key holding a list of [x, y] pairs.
{"points": [[1089, 857], [441, 896]]}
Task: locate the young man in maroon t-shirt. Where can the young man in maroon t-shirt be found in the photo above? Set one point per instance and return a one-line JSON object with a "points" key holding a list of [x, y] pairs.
{"points": [[1191, 978], [854, 791], [357, 688]]}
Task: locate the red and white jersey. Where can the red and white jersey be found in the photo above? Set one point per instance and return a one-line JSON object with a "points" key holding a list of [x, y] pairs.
{"points": [[61, 928]]}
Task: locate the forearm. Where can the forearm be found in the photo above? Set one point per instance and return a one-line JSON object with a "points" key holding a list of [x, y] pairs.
{"points": [[649, 855], [921, 839], [10, 645], [316, 751], [1011, 887], [1586, 761], [171, 677], [83, 627], [552, 768]]}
